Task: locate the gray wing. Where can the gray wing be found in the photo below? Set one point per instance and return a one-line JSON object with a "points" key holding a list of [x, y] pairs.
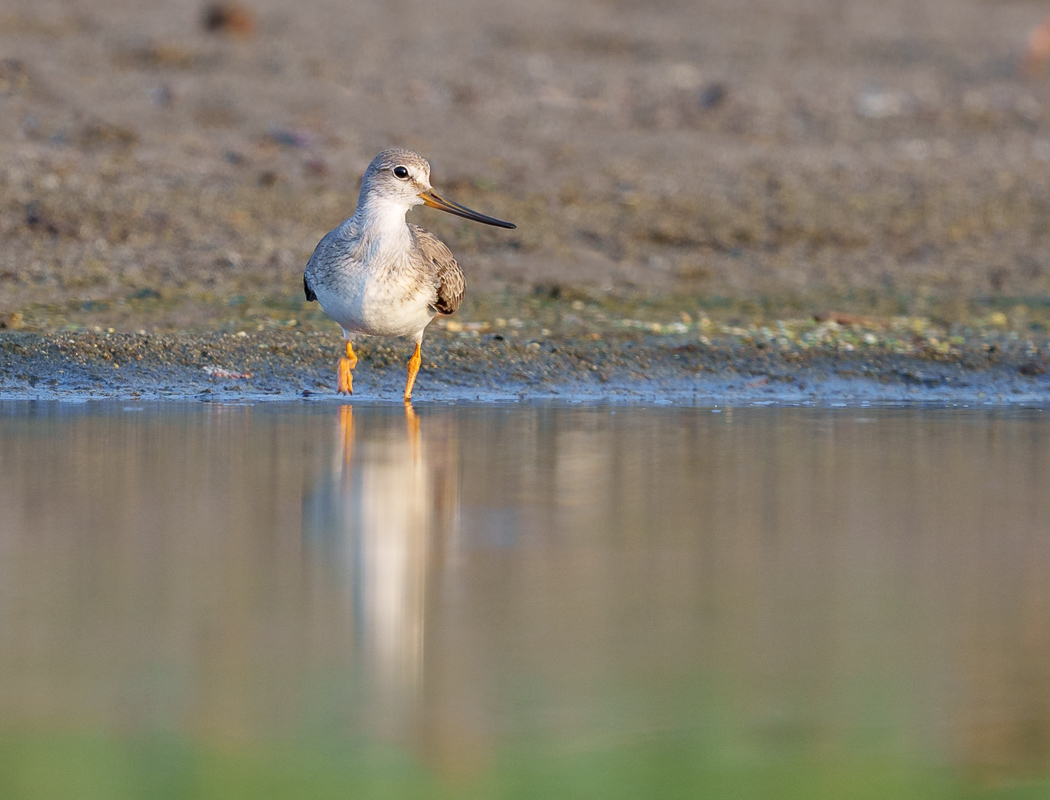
{"points": [[448, 277], [332, 252]]}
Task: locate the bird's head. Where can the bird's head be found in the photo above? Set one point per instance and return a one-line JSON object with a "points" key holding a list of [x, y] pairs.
{"points": [[402, 178]]}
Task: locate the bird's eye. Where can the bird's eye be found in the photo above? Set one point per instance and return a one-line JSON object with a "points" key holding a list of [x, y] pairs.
{"points": [[401, 172]]}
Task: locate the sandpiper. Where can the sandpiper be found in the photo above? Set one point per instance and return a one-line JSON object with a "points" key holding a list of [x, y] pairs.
{"points": [[382, 276]]}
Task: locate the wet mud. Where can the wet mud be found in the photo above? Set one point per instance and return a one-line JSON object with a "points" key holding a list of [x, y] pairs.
{"points": [[629, 369]]}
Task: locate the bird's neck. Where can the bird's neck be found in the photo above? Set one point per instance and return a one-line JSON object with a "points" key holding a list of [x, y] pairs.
{"points": [[382, 224]]}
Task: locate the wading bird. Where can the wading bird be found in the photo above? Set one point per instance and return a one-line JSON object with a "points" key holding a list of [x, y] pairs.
{"points": [[379, 275]]}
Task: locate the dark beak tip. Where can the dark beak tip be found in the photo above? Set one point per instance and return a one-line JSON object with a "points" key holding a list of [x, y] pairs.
{"points": [[434, 200]]}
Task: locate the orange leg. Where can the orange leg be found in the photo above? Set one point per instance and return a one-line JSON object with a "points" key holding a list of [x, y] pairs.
{"points": [[413, 369], [346, 370]]}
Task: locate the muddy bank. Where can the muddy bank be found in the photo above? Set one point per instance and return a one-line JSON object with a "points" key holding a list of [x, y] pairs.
{"points": [[624, 366]]}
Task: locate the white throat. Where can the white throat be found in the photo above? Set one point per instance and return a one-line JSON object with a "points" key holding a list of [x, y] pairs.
{"points": [[382, 233], [382, 218]]}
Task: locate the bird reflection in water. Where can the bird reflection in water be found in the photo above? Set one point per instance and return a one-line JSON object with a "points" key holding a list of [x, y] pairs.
{"points": [[382, 524]]}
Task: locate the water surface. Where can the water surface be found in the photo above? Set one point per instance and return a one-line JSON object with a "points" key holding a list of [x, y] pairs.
{"points": [[523, 601]]}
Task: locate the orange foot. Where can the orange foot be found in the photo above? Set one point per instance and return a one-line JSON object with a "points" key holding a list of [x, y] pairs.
{"points": [[346, 371]]}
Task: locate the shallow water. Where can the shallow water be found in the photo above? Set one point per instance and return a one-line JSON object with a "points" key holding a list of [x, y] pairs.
{"points": [[523, 601]]}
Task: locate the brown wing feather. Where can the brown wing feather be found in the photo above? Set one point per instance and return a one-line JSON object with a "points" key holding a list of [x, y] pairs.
{"points": [[448, 277]]}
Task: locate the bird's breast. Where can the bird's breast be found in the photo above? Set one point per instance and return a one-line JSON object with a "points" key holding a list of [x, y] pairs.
{"points": [[386, 302]]}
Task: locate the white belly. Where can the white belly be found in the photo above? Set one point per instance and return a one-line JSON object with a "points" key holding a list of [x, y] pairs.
{"points": [[384, 306]]}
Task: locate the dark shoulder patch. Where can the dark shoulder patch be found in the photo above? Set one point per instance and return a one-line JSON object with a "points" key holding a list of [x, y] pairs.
{"points": [[451, 287], [310, 296], [447, 275]]}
